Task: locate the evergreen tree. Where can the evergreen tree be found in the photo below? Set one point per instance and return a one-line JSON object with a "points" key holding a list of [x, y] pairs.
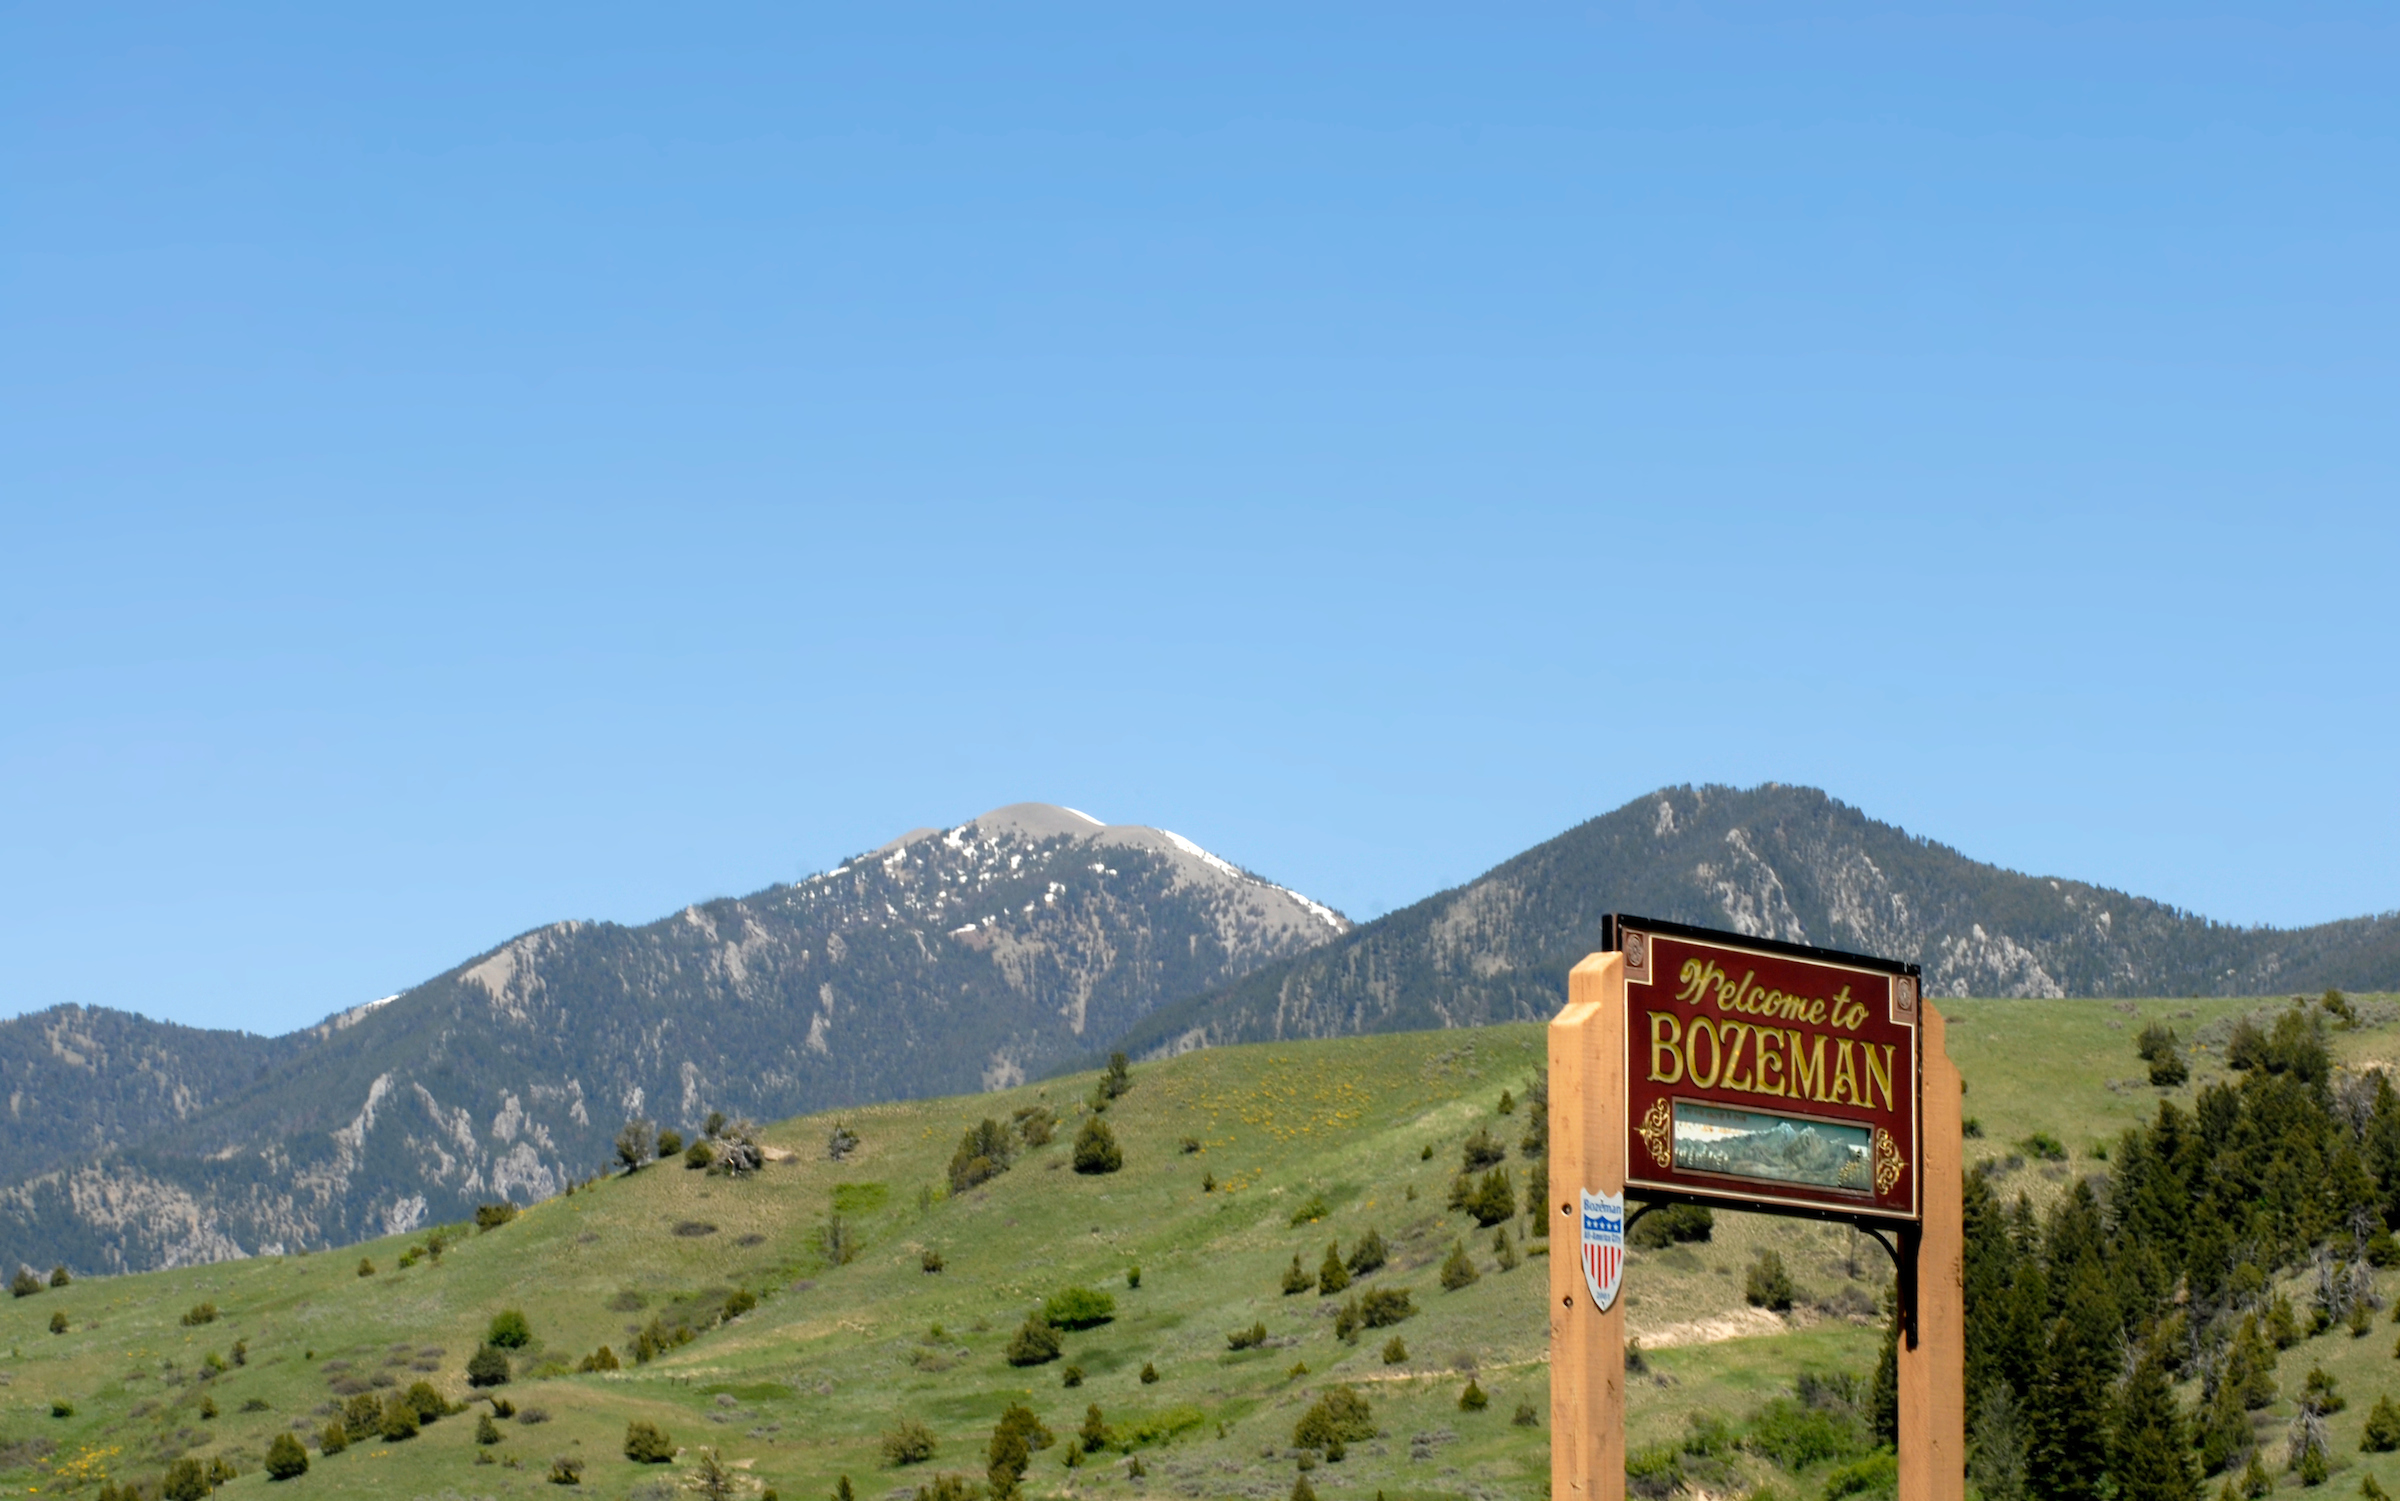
{"points": [[2071, 1399], [2148, 1453], [1096, 1148], [1332, 1275], [286, 1458]]}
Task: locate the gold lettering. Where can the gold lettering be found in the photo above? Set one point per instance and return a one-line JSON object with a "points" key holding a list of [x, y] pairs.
{"points": [[1808, 1069], [1770, 1051], [1741, 997], [1879, 1075], [1731, 1035], [1665, 1033], [1845, 1075], [1816, 1014], [1701, 1026]]}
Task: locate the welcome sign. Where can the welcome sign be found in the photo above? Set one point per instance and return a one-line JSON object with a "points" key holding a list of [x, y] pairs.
{"points": [[1768, 1073]]}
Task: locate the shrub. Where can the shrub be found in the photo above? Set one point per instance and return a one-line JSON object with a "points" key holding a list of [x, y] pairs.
{"points": [[738, 1302], [366, 1268], [26, 1283], [399, 1420], [714, 1126], [1093, 1435], [949, 1488], [2043, 1147], [1118, 1080], [1458, 1269], [1796, 1435], [634, 1142], [59, 1276], [487, 1432], [984, 1153], [699, 1155], [509, 1330], [208, 1408], [286, 1459], [1346, 1322], [488, 1366], [2155, 1039], [1526, 1417], [58, 1322], [427, 1402], [362, 1416], [1015, 1438], [185, 1481], [1078, 1308], [1395, 1350], [1071, 1376], [1877, 1474], [602, 1359], [566, 1470], [2168, 1069], [1035, 1344], [1296, 1278], [1302, 1490], [198, 1314], [1338, 1416], [1671, 1224], [334, 1439], [1493, 1200], [1149, 1374], [1247, 1339], [1133, 1277], [931, 1260], [1504, 1250], [493, 1216], [1190, 1145], [1035, 1124], [647, 1444], [670, 1144], [1310, 1210], [1473, 1398], [1332, 1276], [908, 1442], [1768, 1285], [1482, 1150], [1385, 1306], [1096, 1148], [65, 1409]]}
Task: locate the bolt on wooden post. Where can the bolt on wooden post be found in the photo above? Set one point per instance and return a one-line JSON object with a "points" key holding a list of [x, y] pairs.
{"points": [[1699, 1067]]}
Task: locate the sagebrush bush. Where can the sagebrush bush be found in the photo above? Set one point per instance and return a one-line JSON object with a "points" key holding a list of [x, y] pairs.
{"points": [[647, 1444], [1034, 1344], [1338, 1416], [907, 1442], [1078, 1308]]}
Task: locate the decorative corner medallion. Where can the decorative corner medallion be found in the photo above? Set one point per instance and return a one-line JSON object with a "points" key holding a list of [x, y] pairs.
{"points": [[1889, 1164], [1636, 948], [1904, 1000], [1657, 1133]]}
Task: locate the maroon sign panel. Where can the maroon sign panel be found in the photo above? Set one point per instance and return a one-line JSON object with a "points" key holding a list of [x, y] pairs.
{"points": [[1768, 1074]]}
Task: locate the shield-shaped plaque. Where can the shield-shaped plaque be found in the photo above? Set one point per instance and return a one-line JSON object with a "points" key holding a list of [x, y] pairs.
{"points": [[1603, 1246]]}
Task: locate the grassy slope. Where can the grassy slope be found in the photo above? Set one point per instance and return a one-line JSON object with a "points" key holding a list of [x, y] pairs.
{"points": [[799, 1389]]}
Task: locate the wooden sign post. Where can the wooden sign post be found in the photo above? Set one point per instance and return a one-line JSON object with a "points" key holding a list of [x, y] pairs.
{"points": [[1698, 1067]]}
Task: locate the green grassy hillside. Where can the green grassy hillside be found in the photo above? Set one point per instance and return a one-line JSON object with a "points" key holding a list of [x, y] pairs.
{"points": [[798, 1390]]}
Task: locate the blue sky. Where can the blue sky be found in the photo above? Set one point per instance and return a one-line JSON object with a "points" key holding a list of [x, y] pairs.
{"points": [[462, 470]]}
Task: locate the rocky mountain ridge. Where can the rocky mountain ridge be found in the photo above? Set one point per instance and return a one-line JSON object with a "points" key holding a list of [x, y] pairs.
{"points": [[1774, 861], [945, 961]]}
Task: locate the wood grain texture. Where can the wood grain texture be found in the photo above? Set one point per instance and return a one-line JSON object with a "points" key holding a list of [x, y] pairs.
{"points": [[1933, 1396], [1587, 1150]]}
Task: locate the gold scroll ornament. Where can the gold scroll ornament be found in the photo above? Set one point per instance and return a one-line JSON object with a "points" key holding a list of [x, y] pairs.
{"points": [[1888, 1162], [1656, 1133]]}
